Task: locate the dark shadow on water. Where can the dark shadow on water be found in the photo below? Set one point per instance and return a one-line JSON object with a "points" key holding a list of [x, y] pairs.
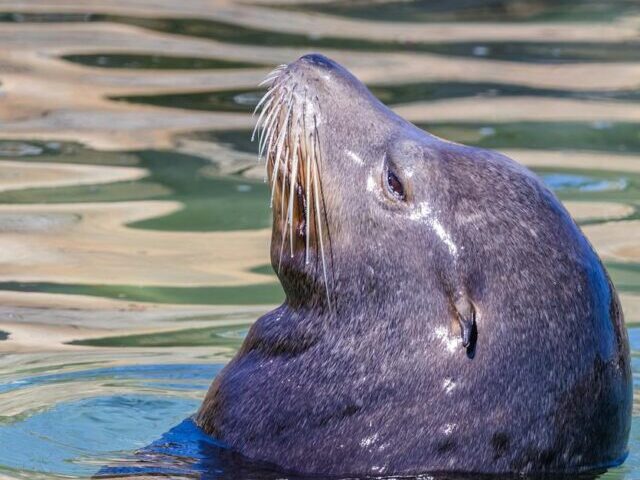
{"points": [[186, 451], [156, 62]]}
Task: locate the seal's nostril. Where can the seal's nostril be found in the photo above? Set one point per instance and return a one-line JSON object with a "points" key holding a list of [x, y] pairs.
{"points": [[317, 59]]}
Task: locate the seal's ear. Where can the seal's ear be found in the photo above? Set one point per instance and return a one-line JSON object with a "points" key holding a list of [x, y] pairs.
{"points": [[466, 317]]}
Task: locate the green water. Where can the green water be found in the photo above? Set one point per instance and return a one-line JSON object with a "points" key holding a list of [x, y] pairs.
{"points": [[517, 51], [191, 337], [245, 100], [612, 137], [155, 62], [207, 199], [260, 294], [93, 369], [483, 11], [546, 52]]}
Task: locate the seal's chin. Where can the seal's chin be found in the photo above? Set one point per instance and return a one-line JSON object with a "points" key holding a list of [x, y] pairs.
{"points": [[289, 144]]}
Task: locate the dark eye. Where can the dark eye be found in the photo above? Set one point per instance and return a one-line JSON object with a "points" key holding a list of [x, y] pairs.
{"points": [[394, 185]]}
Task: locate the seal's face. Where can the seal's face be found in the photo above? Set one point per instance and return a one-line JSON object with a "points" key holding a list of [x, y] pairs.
{"points": [[443, 313], [343, 168]]}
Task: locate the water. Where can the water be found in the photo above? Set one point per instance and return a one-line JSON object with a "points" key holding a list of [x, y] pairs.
{"points": [[134, 220]]}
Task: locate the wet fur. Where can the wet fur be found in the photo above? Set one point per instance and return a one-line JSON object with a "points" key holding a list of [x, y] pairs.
{"points": [[362, 370]]}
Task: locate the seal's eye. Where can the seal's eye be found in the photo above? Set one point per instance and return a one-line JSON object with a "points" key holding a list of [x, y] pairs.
{"points": [[395, 185]]}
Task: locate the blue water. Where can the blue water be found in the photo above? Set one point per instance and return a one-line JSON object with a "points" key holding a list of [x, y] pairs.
{"points": [[72, 437], [565, 181], [189, 376], [139, 432]]}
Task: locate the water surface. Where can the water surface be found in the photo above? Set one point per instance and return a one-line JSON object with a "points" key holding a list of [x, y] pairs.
{"points": [[135, 223]]}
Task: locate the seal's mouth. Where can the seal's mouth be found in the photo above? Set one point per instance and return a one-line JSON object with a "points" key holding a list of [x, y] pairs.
{"points": [[289, 144]]}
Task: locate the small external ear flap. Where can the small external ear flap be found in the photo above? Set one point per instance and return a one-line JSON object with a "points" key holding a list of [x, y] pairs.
{"points": [[466, 317]]}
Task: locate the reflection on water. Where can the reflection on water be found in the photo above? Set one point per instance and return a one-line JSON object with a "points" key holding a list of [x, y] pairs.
{"points": [[516, 51], [73, 438], [545, 52], [568, 182], [135, 221], [188, 376], [140, 433], [155, 62], [206, 198], [479, 11], [261, 294], [246, 100], [607, 137]]}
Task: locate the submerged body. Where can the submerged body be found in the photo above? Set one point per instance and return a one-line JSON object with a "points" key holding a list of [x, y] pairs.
{"points": [[444, 313]]}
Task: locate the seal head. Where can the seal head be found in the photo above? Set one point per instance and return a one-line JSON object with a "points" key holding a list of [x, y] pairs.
{"points": [[443, 311]]}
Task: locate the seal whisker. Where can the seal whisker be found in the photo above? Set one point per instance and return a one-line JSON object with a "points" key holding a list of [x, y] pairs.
{"points": [[272, 75], [307, 182], [319, 228], [283, 189], [262, 113], [313, 192], [265, 127], [268, 80], [280, 167], [283, 229], [264, 98], [279, 135], [267, 130], [321, 193], [286, 139], [316, 196], [292, 182], [269, 107], [278, 154], [270, 125], [269, 120]]}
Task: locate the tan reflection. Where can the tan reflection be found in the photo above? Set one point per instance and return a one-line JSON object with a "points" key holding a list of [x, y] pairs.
{"points": [[49, 98], [43, 322], [15, 175], [616, 241], [99, 249], [582, 211], [236, 11], [522, 108]]}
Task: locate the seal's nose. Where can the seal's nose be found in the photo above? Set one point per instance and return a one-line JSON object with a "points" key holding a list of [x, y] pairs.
{"points": [[317, 60]]}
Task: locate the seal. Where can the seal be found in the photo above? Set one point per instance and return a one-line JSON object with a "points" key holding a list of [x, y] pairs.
{"points": [[443, 311]]}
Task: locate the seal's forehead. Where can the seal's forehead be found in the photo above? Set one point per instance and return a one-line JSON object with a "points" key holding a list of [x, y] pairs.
{"points": [[412, 152], [406, 147], [322, 75], [319, 60], [315, 67]]}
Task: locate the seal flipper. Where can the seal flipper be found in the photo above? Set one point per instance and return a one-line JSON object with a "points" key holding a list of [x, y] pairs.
{"points": [[466, 316]]}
